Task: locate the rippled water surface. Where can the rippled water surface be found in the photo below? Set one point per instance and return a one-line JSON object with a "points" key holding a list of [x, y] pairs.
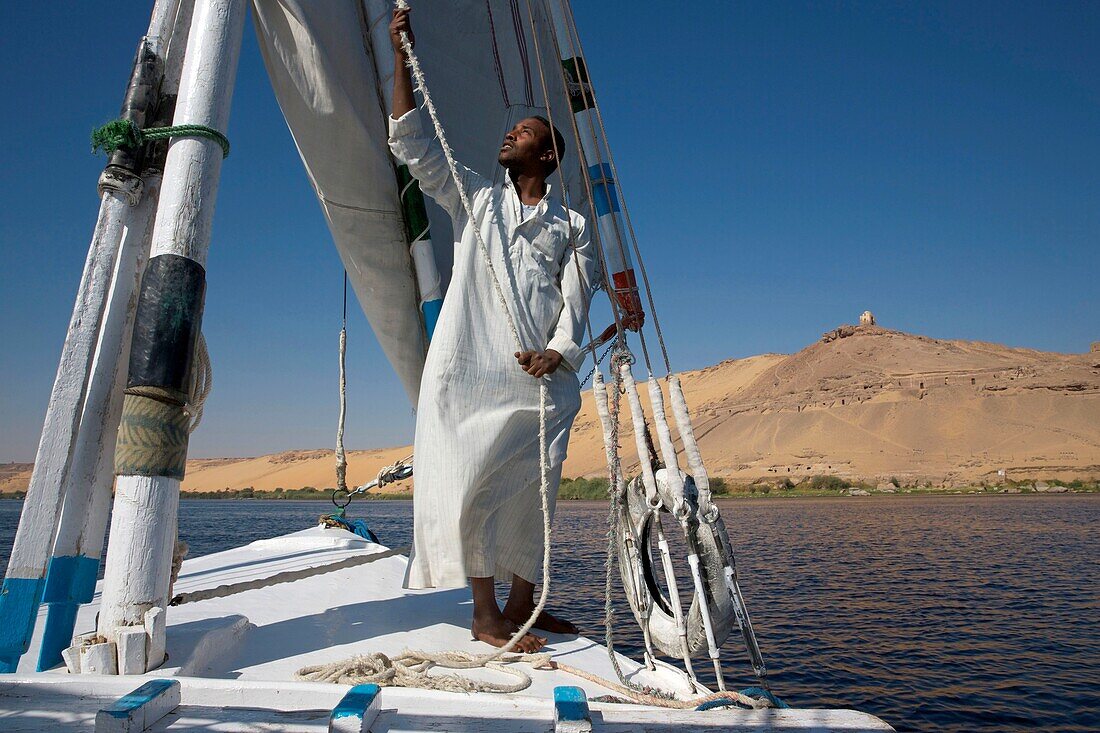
{"points": [[934, 613]]}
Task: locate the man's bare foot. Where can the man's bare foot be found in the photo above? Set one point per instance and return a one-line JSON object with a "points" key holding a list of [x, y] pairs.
{"points": [[498, 630], [545, 622]]}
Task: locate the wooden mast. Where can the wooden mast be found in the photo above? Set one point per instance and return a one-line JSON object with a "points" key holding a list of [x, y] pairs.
{"points": [[78, 547], [152, 446], [121, 191]]}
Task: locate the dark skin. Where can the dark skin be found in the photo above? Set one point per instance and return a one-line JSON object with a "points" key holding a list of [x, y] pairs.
{"points": [[527, 153]]}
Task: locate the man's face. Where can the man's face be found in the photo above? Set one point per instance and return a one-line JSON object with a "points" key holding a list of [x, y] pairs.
{"points": [[526, 145]]}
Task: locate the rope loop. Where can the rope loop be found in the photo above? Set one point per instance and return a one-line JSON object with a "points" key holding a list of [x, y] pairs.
{"points": [[710, 516], [122, 133]]}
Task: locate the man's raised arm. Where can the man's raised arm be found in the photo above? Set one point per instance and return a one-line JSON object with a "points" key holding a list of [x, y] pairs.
{"points": [[409, 142], [402, 80]]}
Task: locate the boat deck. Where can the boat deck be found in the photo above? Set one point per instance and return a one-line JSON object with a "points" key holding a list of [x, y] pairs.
{"points": [[236, 656], [60, 705]]}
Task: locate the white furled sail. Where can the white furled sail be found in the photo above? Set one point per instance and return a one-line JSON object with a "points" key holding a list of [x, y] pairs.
{"points": [[332, 85]]}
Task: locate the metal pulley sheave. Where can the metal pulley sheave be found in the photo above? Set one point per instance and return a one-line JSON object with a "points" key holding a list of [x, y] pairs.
{"points": [[652, 607]]}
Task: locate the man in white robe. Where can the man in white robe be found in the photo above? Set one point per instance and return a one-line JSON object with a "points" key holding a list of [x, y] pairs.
{"points": [[477, 508]]}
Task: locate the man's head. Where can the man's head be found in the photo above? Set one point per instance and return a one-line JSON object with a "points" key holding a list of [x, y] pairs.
{"points": [[529, 147]]}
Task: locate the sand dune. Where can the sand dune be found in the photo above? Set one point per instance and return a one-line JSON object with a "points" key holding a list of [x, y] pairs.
{"points": [[863, 402]]}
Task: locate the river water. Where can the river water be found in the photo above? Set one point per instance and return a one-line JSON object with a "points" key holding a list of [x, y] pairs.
{"points": [[958, 613]]}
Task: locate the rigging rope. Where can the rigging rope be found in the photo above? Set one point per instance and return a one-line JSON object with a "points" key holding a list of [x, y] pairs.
{"points": [[341, 456], [202, 382], [123, 133]]}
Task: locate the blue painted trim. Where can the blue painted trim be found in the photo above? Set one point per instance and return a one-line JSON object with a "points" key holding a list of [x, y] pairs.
{"points": [[600, 171], [605, 198], [19, 600], [355, 703], [570, 704], [128, 703], [767, 695], [604, 195], [71, 578], [57, 635], [431, 310], [70, 581]]}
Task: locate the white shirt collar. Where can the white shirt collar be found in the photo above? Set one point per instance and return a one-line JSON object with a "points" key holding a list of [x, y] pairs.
{"points": [[542, 205]]}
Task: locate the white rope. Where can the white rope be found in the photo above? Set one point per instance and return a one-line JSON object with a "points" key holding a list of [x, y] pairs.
{"points": [[179, 552], [638, 420], [707, 510], [410, 669], [668, 449], [341, 456], [202, 381], [609, 418], [386, 473]]}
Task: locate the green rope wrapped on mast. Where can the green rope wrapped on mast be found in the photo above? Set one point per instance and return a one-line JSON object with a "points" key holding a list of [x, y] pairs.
{"points": [[125, 134]]}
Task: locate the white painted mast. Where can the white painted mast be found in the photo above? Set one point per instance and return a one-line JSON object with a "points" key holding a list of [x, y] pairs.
{"points": [[78, 547], [143, 530], [121, 190]]}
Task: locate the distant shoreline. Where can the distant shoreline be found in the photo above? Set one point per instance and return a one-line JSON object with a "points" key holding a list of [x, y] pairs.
{"points": [[588, 492]]}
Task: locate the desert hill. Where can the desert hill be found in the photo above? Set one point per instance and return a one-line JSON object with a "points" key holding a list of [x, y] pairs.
{"points": [[863, 402], [869, 403]]}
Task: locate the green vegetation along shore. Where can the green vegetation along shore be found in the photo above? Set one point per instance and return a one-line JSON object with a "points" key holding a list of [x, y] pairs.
{"points": [[596, 488]]}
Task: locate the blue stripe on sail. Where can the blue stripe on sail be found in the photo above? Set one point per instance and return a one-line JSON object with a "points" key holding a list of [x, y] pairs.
{"points": [[604, 195], [431, 310], [19, 599]]}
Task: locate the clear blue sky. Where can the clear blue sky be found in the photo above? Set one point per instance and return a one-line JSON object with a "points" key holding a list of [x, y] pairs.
{"points": [[787, 165]]}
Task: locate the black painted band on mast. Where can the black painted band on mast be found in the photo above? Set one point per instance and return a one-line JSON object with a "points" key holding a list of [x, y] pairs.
{"points": [[153, 435], [166, 326]]}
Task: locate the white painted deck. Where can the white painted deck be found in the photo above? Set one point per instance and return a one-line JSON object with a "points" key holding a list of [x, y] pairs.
{"points": [[236, 657]]}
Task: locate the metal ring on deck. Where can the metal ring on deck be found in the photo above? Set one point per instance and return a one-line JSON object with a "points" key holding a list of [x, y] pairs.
{"points": [[338, 504]]}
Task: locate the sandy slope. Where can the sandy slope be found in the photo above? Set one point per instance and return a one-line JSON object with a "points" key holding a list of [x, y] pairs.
{"points": [[866, 402], [862, 402]]}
